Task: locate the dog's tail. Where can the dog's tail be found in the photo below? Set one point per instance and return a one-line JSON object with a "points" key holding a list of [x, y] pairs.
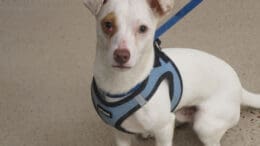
{"points": [[250, 99]]}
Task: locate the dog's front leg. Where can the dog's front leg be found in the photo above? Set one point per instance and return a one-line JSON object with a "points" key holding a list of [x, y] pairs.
{"points": [[164, 135], [122, 139]]}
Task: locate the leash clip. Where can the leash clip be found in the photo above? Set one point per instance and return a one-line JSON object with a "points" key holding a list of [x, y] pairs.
{"points": [[157, 43]]}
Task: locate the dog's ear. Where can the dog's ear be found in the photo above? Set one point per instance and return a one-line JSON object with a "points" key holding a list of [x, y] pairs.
{"points": [[161, 7], [94, 5]]}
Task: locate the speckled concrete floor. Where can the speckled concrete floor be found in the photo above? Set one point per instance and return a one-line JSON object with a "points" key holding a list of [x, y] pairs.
{"points": [[46, 55]]}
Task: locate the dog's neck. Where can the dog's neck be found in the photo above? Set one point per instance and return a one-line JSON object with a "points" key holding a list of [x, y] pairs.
{"points": [[116, 81]]}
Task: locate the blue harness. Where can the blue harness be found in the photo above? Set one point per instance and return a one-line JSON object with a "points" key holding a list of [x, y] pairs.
{"points": [[114, 113]]}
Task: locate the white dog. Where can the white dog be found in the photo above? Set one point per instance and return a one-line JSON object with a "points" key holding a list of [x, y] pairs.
{"points": [[211, 91]]}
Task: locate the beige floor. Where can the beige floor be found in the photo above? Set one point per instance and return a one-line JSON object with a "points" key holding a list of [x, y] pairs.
{"points": [[46, 54]]}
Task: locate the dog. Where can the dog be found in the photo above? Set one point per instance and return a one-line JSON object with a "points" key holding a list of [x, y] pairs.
{"points": [[211, 92]]}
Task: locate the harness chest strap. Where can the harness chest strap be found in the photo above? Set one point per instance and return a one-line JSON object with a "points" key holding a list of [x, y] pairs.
{"points": [[116, 112]]}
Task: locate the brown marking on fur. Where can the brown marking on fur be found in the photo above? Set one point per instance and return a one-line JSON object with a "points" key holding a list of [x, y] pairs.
{"points": [[109, 18], [155, 5]]}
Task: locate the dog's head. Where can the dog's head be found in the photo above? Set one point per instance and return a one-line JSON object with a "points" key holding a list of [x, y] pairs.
{"points": [[125, 28]]}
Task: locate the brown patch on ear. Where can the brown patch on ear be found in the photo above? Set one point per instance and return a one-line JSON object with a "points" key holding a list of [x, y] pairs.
{"points": [[155, 5], [109, 24], [161, 7]]}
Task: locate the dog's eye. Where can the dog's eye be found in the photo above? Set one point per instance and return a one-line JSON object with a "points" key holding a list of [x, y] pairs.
{"points": [[108, 25], [142, 29]]}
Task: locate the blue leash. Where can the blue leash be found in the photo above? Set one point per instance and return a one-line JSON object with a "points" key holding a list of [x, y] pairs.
{"points": [[176, 18]]}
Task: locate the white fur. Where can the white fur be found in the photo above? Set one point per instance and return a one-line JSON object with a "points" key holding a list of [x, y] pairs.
{"points": [[209, 83]]}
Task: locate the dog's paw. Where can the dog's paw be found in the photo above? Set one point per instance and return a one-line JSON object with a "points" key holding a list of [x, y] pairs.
{"points": [[145, 136]]}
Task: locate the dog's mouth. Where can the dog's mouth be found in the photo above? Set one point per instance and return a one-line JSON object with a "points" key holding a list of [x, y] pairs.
{"points": [[122, 67]]}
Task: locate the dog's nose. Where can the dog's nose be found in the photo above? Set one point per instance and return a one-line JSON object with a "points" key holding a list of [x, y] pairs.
{"points": [[121, 56]]}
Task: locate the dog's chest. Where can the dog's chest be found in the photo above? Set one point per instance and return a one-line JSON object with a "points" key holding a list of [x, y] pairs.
{"points": [[152, 115]]}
